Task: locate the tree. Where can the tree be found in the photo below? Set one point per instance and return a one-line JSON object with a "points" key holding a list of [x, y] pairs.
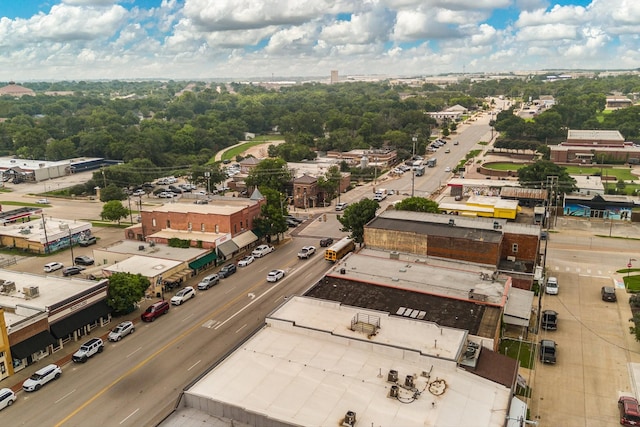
{"points": [[114, 211], [330, 182], [112, 192], [271, 220], [269, 173], [535, 176], [355, 217], [125, 290], [417, 204]]}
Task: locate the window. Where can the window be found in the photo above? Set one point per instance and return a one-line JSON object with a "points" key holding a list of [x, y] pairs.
{"points": [[235, 228], [514, 248], [202, 226], [217, 228], [153, 222], [168, 223], [189, 225]]}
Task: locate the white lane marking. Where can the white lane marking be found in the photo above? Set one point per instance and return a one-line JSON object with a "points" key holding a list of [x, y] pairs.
{"points": [[129, 416], [185, 318], [194, 365], [241, 328], [251, 295], [65, 396], [134, 351]]}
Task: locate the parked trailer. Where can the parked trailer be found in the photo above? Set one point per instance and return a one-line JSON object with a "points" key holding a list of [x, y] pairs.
{"points": [[420, 171], [339, 249]]}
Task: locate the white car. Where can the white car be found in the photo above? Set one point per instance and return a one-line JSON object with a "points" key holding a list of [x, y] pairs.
{"points": [[121, 331], [41, 377], [138, 193], [262, 250], [341, 206], [306, 252], [7, 397], [52, 266], [275, 275], [552, 286], [183, 295], [42, 201], [245, 261], [447, 169]]}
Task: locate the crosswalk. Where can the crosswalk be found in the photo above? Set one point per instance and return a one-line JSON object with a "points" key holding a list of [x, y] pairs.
{"points": [[211, 324], [582, 271]]}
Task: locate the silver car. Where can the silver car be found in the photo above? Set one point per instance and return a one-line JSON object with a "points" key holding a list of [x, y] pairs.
{"points": [[121, 331]]}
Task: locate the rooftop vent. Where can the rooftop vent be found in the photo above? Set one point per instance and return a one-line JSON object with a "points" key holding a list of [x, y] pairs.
{"points": [[452, 222], [349, 419], [408, 381], [31, 292], [394, 255], [392, 377], [394, 391]]}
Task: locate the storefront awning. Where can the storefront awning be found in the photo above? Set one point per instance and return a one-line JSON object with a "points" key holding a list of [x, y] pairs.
{"points": [[201, 262], [66, 326], [38, 342], [176, 277], [228, 248], [245, 239]]}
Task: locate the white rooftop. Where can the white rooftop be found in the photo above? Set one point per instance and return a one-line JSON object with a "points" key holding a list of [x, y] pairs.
{"points": [[309, 368], [217, 205], [144, 265], [55, 229], [11, 162], [158, 250], [52, 290]]}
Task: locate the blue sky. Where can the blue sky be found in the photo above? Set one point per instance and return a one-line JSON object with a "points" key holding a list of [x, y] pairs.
{"points": [[241, 39]]}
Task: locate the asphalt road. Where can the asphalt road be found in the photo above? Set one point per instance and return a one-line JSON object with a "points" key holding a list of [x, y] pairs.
{"points": [[137, 381]]}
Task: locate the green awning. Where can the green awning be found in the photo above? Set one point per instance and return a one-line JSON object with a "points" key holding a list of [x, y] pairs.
{"points": [[201, 262]]}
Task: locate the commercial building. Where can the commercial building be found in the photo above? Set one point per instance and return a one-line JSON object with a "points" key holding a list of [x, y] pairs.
{"points": [[44, 235], [595, 147], [42, 313], [318, 363]]}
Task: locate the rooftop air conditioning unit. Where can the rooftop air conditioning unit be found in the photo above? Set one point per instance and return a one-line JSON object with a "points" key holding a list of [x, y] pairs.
{"points": [[349, 419], [31, 292]]}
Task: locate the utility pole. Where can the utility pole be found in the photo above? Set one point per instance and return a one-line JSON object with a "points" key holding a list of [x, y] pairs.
{"points": [[71, 247], [413, 171], [46, 238], [130, 213]]}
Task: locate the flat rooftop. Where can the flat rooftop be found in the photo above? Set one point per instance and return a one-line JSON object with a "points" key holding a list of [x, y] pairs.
{"points": [[52, 290], [157, 250], [55, 229], [11, 162], [144, 265], [309, 368], [168, 233], [217, 205], [435, 276]]}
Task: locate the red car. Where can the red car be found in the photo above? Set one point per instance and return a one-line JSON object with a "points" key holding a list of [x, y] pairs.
{"points": [[629, 412], [155, 310]]}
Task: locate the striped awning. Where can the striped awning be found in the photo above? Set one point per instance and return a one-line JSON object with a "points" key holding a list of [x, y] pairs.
{"points": [[245, 239]]}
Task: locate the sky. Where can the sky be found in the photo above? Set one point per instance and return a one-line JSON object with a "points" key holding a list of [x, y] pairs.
{"points": [[280, 39]]}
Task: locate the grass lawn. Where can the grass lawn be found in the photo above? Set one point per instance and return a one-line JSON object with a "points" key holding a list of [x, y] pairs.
{"points": [[35, 205], [519, 350], [620, 173], [258, 140], [506, 166], [631, 282], [600, 116]]}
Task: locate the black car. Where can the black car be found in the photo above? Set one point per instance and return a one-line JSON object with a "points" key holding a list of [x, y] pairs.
{"points": [[83, 260], [72, 271], [227, 270], [327, 241], [549, 320], [608, 294]]}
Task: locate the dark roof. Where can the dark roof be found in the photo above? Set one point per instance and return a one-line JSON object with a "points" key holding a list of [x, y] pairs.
{"points": [[305, 179], [434, 229], [64, 327], [34, 344], [449, 312], [495, 367]]}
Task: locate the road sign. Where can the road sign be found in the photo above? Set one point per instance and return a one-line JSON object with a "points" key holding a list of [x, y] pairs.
{"points": [[629, 265]]}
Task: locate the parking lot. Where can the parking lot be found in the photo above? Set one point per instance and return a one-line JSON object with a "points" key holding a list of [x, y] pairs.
{"points": [[596, 352]]}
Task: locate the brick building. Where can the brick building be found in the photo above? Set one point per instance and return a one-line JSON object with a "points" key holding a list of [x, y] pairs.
{"points": [[510, 248], [594, 147]]}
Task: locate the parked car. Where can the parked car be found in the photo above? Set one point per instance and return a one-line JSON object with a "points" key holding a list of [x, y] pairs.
{"points": [[88, 241], [262, 250], [608, 294], [294, 218], [138, 193], [291, 223], [227, 271], [52, 266], [549, 320], [447, 169], [88, 350], [327, 241], [7, 397], [41, 377], [83, 260], [246, 261], [275, 275], [155, 310], [122, 330], [548, 351], [72, 271], [552, 286], [455, 142], [629, 411], [306, 252], [208, 281], [341, 206], [183, 295]]}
